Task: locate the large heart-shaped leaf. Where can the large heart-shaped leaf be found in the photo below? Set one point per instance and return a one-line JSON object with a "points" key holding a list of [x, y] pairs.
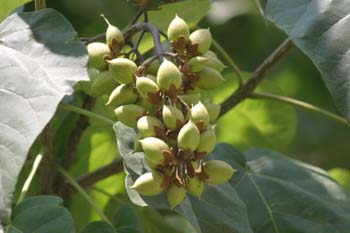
{"points": [[321, 29], [41, 59], [218, 210], [253, 123], [284, 195], [41, 214]]}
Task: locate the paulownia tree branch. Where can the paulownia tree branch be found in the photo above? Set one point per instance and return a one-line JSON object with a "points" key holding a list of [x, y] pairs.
{"points": [[132, 30], [46, 170], [248, 87], [73, 141], [90, 179]]}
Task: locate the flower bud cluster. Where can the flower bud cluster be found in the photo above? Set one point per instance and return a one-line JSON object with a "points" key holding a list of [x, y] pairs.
{"points": [[176, 129]]}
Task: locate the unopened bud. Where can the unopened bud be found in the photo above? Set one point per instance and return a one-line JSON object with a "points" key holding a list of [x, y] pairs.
{"points": [[123, 69], [146, 86], [154, 150], [97, 51], [148, 126], [210, 54], [102, 84], [114, 36], [153, 67], [190, 99], [195, 186], [215, 63], [168, 75], [129, 114], [178, 28], [172, 117], [122, 95], [218, 171], [213, 110], [149, 184], [207, 141], [196, 64], [137, 143], [175, 195], [188, 137], [200, 115], [209, 78], [201, 37]]}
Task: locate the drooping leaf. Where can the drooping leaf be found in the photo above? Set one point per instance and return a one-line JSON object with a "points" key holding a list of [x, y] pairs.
{"points": [[41, 214], [212, 213], [98, 227], [6, 7], [255, 123], [41, 59], [321, 29], [284, 195]]}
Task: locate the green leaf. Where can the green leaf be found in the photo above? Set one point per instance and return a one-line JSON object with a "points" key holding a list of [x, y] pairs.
{"points": [[41, 214], [342, 176], [321, 30], [255, 123], [126, 219], [284, 195], [98, 227], [212, 213], [41, 59], [6, 7]]}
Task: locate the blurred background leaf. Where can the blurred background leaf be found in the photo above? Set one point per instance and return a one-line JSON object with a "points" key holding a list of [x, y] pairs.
{"points": [[6, 7]]}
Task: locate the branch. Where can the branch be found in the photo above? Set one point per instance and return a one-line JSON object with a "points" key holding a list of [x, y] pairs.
{"points": [[72, 108], [74, 139], [229, 61], [96, 176], [248, 87], [80, 189], [301, 104], [46, 168], [151, 28], [40, 4]]}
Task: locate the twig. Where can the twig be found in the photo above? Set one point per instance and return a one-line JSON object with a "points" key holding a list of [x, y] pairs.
{"points": [[151, 28], [112, 197], [248, 87], [73, 141], [163, 34], [46, 168], [30, 177], [93, 177], [301, 104], [132, 30], [150, 60], [137, 16], [103, 35], [84, 112], [40, 4], [228, 61], [84, 194]]}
